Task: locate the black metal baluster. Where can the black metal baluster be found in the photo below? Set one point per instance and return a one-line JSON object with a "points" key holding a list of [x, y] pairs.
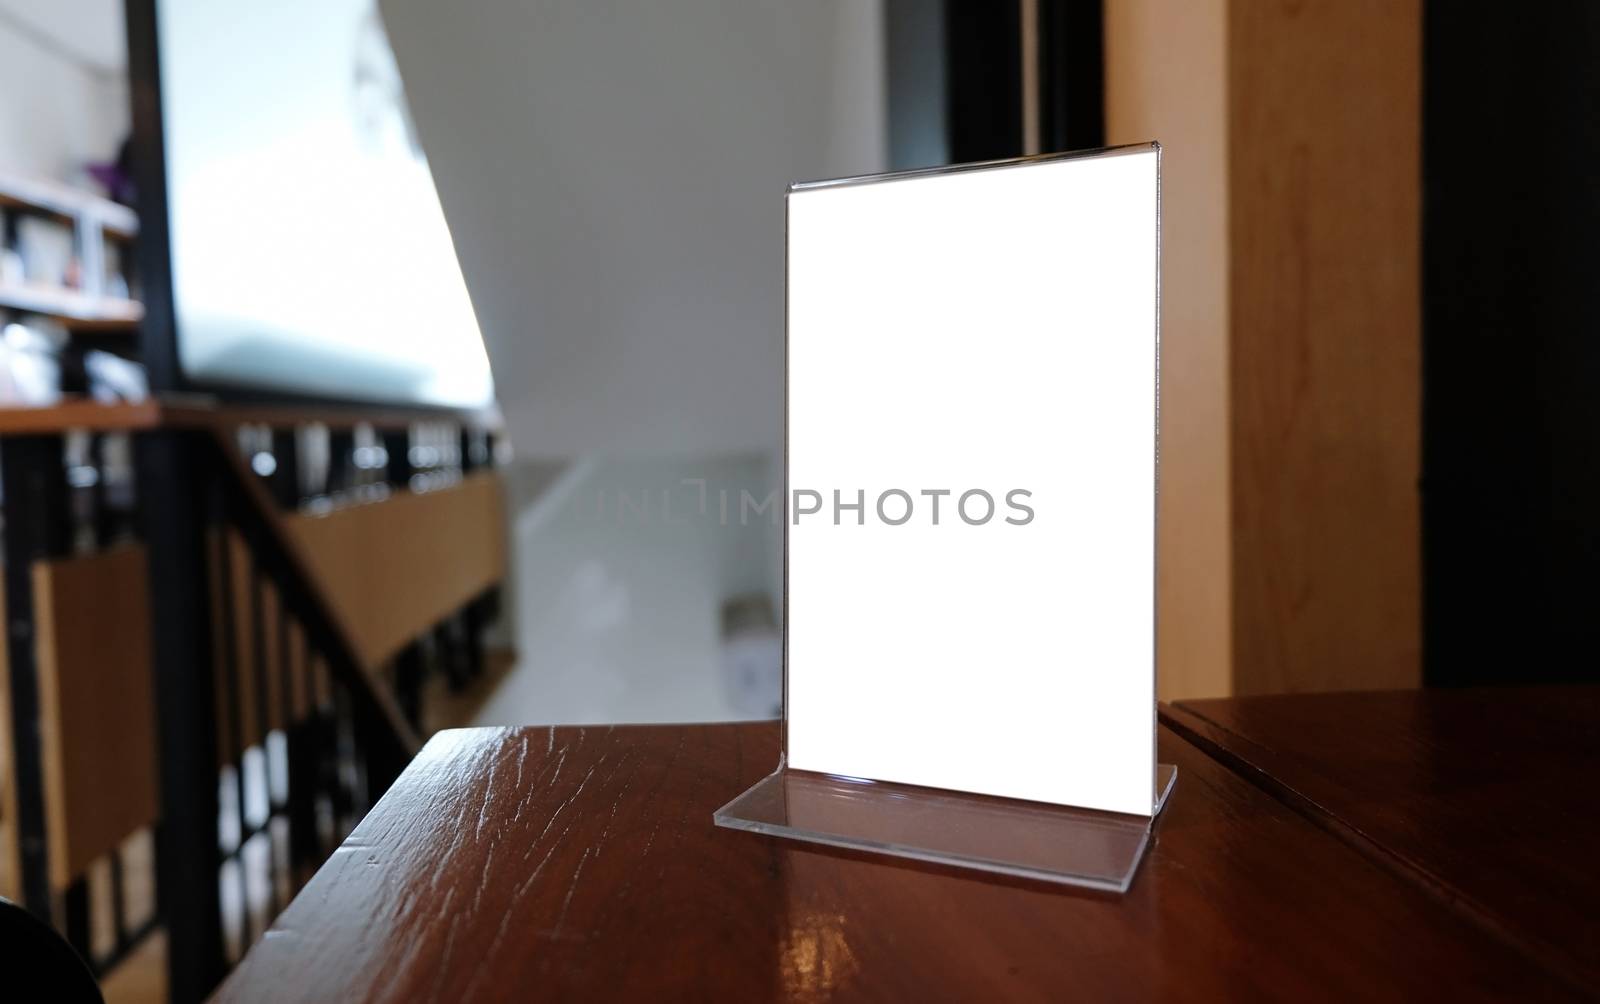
{"points": [[343, 757], [75, 909], [260, 669], [379, 759], [34, 487], [397, 444], [176, 472], [299, 749], [230, 693], [303, 735], [99, 509], [409, 669], [119, 906], [471, 623], [480, 613], [331, 768], [340, 442], [465, 436], [286, 720], [285, 482]]}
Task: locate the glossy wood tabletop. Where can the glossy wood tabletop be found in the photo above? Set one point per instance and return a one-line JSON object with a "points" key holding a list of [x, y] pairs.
{"points": [[1484, 797], [582, 864]]}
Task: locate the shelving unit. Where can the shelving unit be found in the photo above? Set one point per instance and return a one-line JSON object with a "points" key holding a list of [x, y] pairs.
{"points": [[69, 205], [75, 310], [94, 221]]}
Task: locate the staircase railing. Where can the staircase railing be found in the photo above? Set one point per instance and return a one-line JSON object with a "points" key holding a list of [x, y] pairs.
{"points": [[274, 729]]}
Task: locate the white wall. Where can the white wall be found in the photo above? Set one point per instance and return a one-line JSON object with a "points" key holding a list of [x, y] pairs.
{"points": [[620, 577], [613, 172], [63, 85]]}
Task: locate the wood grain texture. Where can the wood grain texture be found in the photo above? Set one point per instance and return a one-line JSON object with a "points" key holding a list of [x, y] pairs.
{"points": [[96, 705], [1288, 541], [582, 864], [1478, 796], [1324, 160], [391, 570]]}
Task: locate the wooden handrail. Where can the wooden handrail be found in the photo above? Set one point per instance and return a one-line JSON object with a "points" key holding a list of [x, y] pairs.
{"points": [[192, 412], [217, 422], [78, 413]]}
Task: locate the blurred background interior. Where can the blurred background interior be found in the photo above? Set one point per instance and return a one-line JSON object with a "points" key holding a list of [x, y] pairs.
{"points": [[376, 367]]}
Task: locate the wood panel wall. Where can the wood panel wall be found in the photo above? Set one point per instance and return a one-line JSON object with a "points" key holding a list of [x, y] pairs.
{"points": [[96, 705], [393, 569], [1289, 542], [96, 701], [1325, 171]]}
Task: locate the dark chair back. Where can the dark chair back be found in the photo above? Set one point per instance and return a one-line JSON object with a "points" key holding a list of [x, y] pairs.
{"points": [[35, 956]]}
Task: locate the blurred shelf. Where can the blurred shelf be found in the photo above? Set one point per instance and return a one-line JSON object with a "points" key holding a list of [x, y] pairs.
{"points": [[69, 205], [77, 311]]}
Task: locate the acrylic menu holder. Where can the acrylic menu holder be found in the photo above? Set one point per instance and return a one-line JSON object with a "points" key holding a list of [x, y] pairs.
{"points": [[962, 691], [1053, 843]]}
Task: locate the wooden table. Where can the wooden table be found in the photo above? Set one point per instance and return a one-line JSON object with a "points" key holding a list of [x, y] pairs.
{"points": [[1480, 797], [581, 863]]}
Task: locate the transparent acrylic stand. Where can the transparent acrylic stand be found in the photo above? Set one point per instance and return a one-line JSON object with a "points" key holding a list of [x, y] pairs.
{"points": [[861, 270], [1037, 840]]}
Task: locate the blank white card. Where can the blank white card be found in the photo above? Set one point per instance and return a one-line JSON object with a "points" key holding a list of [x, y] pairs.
{"points": [[971, 440]]}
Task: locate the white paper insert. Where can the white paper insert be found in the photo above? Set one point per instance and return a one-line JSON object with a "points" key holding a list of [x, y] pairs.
{"points": [[991, 330]]}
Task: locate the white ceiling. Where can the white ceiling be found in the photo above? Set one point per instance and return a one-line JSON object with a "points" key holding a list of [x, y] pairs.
{"points": [[613, 172]]}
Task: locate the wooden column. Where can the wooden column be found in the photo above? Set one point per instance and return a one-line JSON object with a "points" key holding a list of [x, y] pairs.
{"points": [[1289, 536]]}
